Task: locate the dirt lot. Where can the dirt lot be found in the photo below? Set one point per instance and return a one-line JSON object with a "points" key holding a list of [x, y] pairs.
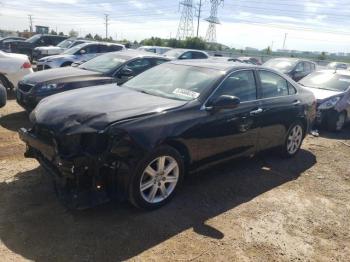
{"points": [[267, 209]]}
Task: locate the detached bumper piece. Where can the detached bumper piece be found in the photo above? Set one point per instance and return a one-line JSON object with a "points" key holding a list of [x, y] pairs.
{"points": [[80, 182]]}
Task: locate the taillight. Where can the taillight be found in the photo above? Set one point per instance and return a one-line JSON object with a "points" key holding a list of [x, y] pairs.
{"points": [[27, 65]]}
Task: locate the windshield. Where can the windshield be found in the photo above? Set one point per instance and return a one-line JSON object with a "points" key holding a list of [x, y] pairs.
{"points": [[65, 43], [173, 53], [33, 39], [73, 50], [281, 65], [327, 80], [104, 63], [172, 81]]}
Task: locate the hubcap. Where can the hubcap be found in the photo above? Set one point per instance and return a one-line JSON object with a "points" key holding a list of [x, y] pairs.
{"points": [[159, 179], [341, 121], [294, 139]]}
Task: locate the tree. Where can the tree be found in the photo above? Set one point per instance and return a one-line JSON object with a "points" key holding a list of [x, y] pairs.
{"points": [[89, 36], [53, 32], [61, 34], [98, 37], [322, 56], [73, 33]]}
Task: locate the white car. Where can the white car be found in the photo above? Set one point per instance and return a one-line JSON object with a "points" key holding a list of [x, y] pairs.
{"points": [[13, 67]]}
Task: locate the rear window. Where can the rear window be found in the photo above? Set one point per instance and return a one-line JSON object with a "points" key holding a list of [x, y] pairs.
{"points": [[327, 80]]}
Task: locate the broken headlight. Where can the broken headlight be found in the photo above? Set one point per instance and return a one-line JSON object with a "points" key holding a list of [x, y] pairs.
{"points": [[329, 103]]}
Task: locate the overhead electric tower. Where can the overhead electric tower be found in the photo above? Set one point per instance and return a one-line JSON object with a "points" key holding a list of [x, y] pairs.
{"points": [[185, 28], [213, 20]]}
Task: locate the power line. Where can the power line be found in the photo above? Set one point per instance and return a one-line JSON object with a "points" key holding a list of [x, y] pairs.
{"points": [[185, 28], [106, 24]]}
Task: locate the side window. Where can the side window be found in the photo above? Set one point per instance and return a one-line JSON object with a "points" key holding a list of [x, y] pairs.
{"points": [[291, 89], [158, 61], [299, 67], [307, 67], [138, 65], [272, 85], [240, 84], [113, 48], [55, 40], [91, 49], [187, 55], [198, 55], [103, 49]]}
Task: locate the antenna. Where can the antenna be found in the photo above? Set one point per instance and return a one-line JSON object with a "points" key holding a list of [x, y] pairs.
{"points": [[213, 20], [185, 28]]}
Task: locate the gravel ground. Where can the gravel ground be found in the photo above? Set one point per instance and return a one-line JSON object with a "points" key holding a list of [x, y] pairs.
{"points": [[263, 209]]}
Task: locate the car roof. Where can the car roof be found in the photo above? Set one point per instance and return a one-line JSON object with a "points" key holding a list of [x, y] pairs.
{"points": [[154, 46], [294, 59], [186, 50], [213, 64], [343, 72], [130, 54]]}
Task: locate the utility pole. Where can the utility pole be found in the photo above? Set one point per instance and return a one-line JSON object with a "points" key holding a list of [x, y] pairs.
{"points": [[30, 23], [185, 28], [284, 41], [199, 15], [213, 20], [106, 23]]}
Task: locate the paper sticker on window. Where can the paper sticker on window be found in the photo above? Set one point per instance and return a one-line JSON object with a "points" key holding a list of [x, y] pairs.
{"points": [[344, 80], [186, 93]]}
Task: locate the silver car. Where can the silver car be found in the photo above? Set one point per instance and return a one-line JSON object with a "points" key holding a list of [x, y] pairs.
{"points": [[77, 54]]}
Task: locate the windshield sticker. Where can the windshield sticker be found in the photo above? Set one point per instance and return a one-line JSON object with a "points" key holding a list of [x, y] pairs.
{"points": [[186, 93], [344, 80]]}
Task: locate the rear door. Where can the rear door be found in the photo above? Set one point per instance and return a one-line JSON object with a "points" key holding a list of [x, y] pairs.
{"points": [[280, 108]]}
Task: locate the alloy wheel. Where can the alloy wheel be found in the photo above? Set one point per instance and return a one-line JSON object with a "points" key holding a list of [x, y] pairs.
{"points": [[159, 179], [294, 139]]}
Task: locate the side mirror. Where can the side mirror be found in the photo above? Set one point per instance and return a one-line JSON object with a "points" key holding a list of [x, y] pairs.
{"points": [[224, 102], [82, 52], [126, 72]]}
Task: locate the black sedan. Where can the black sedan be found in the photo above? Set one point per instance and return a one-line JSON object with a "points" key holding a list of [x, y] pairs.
{"points": [[108, 68], [295, 68], [332, 91], [139, 140]]}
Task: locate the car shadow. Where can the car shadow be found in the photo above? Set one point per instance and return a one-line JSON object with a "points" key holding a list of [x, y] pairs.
{"points": [[36, 226], [15, 121], [344, 134]]}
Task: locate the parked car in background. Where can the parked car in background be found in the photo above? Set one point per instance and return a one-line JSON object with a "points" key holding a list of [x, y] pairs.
{"points": [[182, 54], [26, 47], [115, 67], [9, 38], [295, 68], [80, 53], [332, 91], [338, 65], [137, 141], [43, 51], [13, 67], [155, 49], [3, 96], [247, 60]]}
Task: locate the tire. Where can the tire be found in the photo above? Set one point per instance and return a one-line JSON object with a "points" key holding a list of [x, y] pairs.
{"points": [[3, 96], [293, 140], [336, 121], [156, 191]]}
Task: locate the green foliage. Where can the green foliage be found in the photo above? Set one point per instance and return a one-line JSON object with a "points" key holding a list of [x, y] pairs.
{"points": [[53, 32], [322, 56], [98, 37], [190, 42], [61, 34], [73, 33], [89, 36]]}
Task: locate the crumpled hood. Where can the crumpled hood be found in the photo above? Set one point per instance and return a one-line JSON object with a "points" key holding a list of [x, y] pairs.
{"points": [[59, 74], [321, 94], [94, 108]]}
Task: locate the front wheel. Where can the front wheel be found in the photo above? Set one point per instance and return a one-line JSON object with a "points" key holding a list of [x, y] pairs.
{"points": [[157, 178], [293, 140]]}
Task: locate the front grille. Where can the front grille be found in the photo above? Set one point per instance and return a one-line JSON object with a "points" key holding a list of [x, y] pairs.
{"points": [[25, 87]]}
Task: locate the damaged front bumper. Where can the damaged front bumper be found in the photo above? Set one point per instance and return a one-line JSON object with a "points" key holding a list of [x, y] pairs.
{"points": [[81, 181]]}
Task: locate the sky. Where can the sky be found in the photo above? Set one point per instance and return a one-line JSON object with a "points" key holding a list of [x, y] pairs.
{"points": [[310, 25]]}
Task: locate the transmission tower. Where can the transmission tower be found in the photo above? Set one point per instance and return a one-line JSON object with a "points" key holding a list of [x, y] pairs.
{"points": [[186, 21], [213, 20]]}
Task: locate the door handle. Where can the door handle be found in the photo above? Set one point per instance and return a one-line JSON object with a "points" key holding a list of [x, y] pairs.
{"points": [[296, 102], [256, 112]]}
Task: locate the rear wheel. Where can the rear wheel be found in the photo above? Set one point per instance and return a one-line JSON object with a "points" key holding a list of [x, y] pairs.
{"points": [[293, 140], [157, 178], [3, 96], [336, 121]]}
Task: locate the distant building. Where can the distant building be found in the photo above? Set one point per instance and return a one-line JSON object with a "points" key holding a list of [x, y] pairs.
{"points": [[41, 29], [251, 49]]}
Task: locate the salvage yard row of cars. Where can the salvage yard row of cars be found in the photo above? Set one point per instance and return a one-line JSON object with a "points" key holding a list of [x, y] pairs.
{"points": [[130, 124]]}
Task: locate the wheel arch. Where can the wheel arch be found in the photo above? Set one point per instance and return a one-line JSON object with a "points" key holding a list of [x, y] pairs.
{"points": [[182, 149], [7, 83]]}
